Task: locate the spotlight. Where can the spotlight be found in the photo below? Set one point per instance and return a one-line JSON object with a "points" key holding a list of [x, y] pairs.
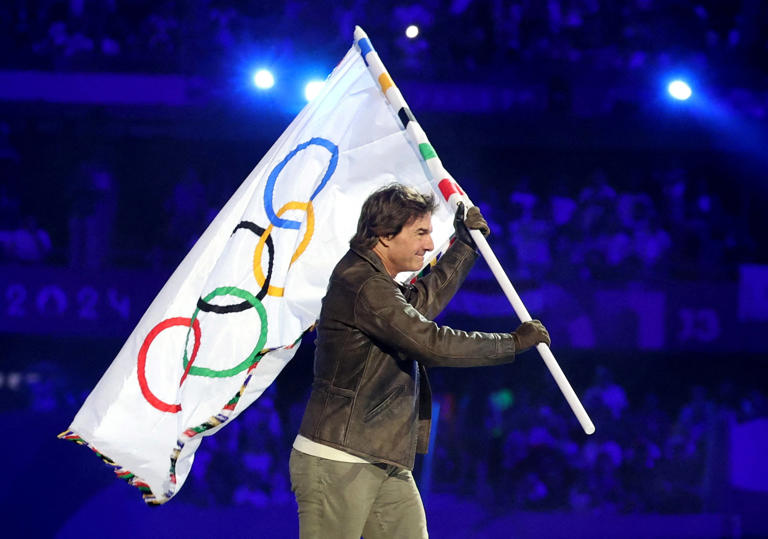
{"points": [[312, 89], [263, 79], [679, 90], [412, 31]]}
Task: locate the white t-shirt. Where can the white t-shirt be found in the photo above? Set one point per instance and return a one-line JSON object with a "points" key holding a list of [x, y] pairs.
{"points": [[305, 445]]}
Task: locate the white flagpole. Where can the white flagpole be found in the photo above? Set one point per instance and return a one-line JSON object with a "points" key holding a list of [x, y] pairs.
{"points": [[543, 349], [453, 195]]}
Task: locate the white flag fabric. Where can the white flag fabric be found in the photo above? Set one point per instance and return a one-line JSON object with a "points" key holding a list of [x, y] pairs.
{"points": [[230, 316]]}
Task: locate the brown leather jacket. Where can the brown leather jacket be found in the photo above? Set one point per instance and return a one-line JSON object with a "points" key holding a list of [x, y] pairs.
{"points": [[370, 395]]}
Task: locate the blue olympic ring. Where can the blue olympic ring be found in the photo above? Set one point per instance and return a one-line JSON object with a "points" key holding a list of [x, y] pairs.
{"points": [[272, 179]]}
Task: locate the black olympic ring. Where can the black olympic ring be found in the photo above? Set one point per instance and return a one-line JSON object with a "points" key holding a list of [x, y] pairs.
{"points": [[245, 305]]}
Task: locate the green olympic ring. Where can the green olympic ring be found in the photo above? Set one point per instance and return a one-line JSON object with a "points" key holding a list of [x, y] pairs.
{"points": [[255, 356]]}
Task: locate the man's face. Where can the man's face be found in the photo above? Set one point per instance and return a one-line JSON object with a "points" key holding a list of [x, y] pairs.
{"points": [[406, 250]]}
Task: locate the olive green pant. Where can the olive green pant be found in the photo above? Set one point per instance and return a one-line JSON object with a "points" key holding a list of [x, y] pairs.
{"points": [[344, 500]]}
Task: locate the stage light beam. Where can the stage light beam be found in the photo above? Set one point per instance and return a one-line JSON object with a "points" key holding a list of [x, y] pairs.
{"points": [[313, 88], [412, 31], [679, 90], [263, 79]]}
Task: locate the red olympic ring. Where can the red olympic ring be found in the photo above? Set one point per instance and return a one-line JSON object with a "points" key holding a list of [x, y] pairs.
{"points": [[142, 363]]}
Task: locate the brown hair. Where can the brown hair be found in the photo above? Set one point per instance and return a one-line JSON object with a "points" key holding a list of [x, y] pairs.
{"points": [[387, 210]]}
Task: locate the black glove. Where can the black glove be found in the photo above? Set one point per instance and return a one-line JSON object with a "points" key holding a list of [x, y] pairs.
{"points": [[473, 221], [529, 334]]}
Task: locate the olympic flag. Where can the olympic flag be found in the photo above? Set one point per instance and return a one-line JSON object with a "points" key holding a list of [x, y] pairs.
{"points": [[229, 318]]}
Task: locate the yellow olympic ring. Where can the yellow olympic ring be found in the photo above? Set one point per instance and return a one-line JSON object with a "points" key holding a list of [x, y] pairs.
{"points": [[257, 272]]}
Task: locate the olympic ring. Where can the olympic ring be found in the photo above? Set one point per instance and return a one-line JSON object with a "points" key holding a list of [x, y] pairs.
{"points": [[142, 360], [257, 273], [272, 179], [255, 354], [245, 305]]}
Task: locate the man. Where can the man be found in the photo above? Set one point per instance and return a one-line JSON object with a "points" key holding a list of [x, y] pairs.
{"points": [[370, 406]]}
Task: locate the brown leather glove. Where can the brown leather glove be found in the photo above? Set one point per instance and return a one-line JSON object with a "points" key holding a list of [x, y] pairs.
{"points": [[473, 221], [529, 334]]}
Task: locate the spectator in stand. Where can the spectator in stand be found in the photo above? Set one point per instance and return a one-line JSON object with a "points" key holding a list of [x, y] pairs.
{"points": [[263, 480], [92, 214], [529, 233], [187, 214], [10, 209], [28, 243]]}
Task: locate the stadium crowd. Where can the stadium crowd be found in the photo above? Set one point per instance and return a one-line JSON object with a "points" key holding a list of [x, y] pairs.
{"points": [[653, 454], [669, 222], [174, 36]]}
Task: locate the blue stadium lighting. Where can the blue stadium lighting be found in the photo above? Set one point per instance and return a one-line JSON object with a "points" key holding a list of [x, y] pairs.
{"points": [[263, 79], [312, 89], [679, 90], [412, 31]]}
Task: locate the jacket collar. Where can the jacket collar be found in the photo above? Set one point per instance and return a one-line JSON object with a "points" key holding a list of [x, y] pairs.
{"points": [[372, 258]]}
